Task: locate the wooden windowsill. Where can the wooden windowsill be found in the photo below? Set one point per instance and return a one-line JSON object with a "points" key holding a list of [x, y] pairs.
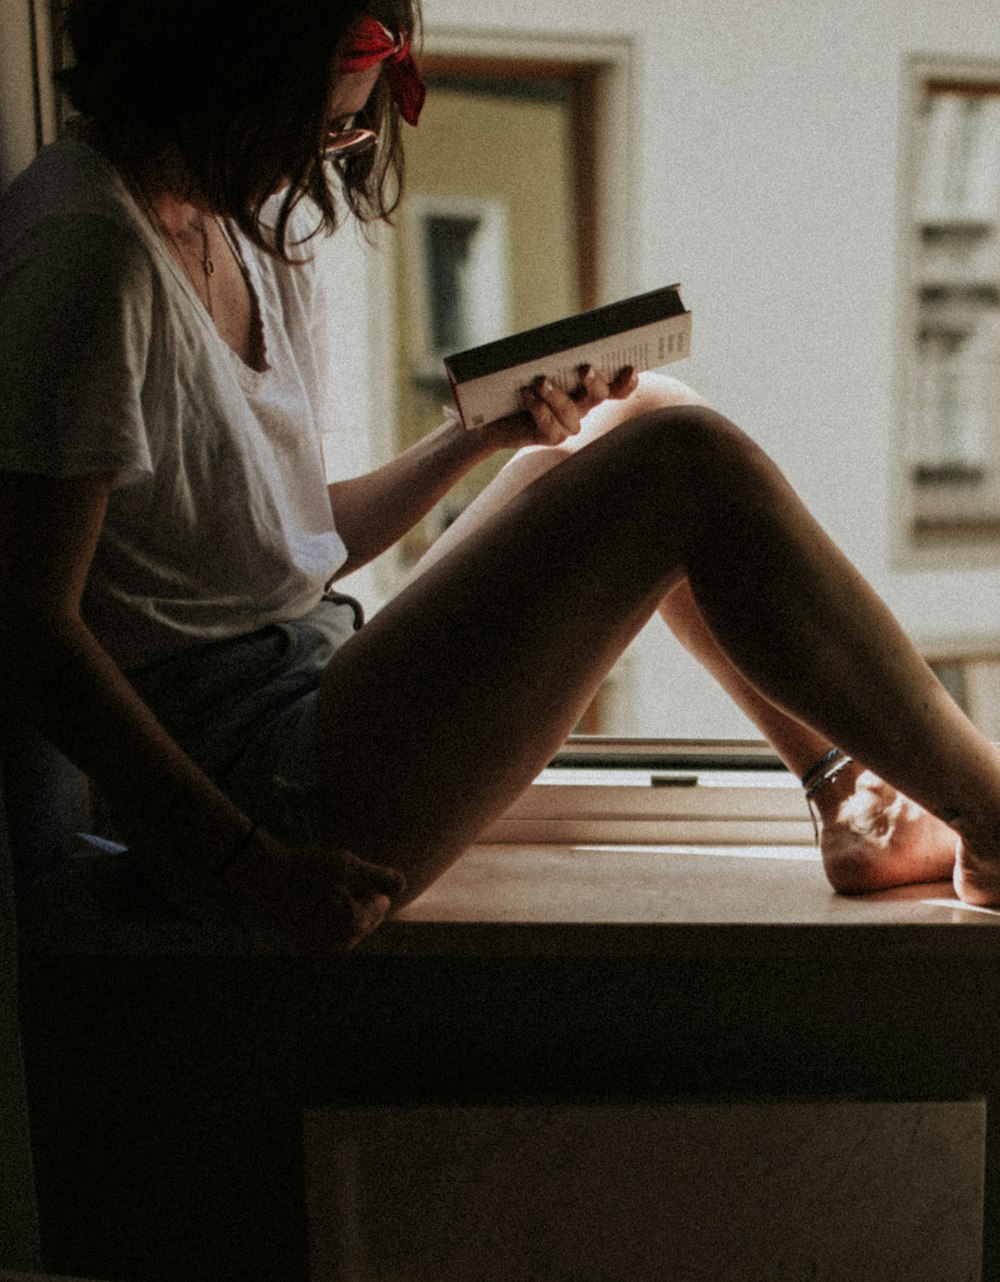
{"points": [[676, 901], [614, 900]]}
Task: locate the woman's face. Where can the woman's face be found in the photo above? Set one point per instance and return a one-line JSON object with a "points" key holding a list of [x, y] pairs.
{"points": [[348, 96], [351, 90], [350, 93]]}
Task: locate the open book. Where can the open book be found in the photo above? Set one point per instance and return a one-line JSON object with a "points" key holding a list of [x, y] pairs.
{"points": [[646, 331]]}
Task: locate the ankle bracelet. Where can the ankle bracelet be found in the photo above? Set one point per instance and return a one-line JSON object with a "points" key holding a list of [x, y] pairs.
{"points": [[819, 774], [824, 771]]}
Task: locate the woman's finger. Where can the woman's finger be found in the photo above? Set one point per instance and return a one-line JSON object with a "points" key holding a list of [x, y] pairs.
{"points": [[364, 878], [368, 915], [555, 414], [625, 382], [593, 389]]}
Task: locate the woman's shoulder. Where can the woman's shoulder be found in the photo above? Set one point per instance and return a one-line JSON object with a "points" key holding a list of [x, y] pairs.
{"points": [[68, 182], [70, 209], [67, 177]]}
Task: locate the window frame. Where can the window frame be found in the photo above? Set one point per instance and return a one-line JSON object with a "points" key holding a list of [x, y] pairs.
{"points": [[658, 792], [935, 542]]}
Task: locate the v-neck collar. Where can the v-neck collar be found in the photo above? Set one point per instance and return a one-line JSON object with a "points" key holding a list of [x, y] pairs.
{"points": [[248, 373]]}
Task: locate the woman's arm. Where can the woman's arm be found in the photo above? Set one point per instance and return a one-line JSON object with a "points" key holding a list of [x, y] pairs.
{"points": [[374, 511], [60, 679]]}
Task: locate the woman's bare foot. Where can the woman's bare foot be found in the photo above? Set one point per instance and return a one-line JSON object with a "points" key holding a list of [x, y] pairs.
{"points": [[977, 880], [873, 837]]}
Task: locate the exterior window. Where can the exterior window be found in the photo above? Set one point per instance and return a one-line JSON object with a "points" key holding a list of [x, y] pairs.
{"points": [[951, 358], [458, 262]]}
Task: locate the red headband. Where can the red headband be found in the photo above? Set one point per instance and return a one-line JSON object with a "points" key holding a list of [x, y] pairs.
{"points": [[371, 43]]}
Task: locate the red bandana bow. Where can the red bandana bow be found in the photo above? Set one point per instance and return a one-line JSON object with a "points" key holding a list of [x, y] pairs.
{"points": [[371, 43]]}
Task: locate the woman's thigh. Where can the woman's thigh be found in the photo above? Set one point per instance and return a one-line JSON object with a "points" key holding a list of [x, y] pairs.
{"points": [[452, 698]]}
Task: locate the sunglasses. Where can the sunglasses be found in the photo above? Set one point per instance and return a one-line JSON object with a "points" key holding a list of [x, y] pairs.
{"points": [[341, 143]]}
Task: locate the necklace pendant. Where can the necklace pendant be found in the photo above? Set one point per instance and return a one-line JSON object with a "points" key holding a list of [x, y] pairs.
{"points": [[208, 265]]}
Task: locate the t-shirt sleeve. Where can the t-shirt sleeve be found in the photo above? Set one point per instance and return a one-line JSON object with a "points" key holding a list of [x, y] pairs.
{"points": [[76, 317]]}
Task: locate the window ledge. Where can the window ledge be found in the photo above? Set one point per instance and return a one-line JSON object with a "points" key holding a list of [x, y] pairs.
{"points": [[691, 851]]}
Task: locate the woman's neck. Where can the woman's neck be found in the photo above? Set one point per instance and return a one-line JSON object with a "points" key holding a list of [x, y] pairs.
{"points": [[162, 184], [178, 218]]}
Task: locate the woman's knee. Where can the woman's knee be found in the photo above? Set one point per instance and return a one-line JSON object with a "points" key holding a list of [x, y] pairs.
{"points": [[688, 439], [655, 391], [671, 465], [682, 468]]}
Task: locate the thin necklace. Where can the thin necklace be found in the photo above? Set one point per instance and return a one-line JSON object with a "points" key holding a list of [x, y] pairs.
{"points": [[205, 261], [207, 266]]}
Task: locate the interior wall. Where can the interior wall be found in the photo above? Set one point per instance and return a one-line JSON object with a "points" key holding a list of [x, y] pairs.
{"points": [[18, 129]]}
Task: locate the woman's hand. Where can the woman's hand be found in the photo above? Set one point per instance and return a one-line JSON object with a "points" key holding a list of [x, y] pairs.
{"points": [[552, 415], [324, 899]]}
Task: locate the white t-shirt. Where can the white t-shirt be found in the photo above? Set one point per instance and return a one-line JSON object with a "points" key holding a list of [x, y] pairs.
{"points": [[219, 520]]}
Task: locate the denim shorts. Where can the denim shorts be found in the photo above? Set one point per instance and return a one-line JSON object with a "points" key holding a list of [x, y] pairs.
{"points": [[245, 711]]}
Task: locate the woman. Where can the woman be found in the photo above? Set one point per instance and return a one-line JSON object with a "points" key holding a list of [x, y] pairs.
{"points": [[167, 532]]}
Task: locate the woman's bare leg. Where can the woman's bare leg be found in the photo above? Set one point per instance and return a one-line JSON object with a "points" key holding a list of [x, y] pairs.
{"points": [[446, 705], [871, 835]]}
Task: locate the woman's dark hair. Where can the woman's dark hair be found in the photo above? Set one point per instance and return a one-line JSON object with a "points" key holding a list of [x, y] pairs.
{"points": [[242, 91]]}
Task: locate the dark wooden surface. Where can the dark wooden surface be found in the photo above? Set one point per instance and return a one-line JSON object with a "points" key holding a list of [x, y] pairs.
{"points": [[168, 1086]]}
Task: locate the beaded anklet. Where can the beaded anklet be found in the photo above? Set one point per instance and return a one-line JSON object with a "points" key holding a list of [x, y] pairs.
{"points": [[819, 774]]}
